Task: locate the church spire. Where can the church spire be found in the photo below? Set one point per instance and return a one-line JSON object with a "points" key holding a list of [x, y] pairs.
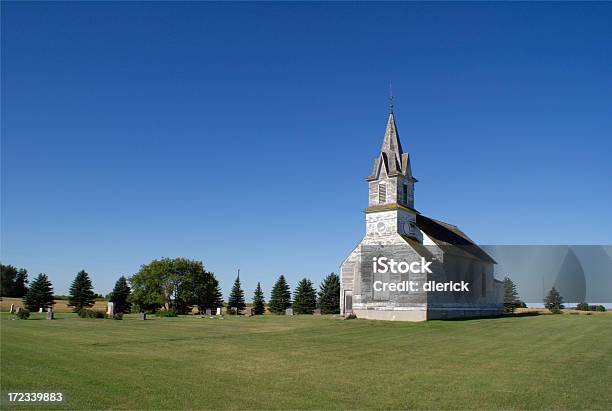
{"points": [[391, 156], [391, 143]]}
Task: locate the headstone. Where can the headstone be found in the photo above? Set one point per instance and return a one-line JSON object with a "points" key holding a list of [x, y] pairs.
{"points": [[218, 310], [12, 310], [50, 314], [40, 310], [142, 316], [317, 311], [208, 312], [234, 311], [289, 311], [111, 309]]}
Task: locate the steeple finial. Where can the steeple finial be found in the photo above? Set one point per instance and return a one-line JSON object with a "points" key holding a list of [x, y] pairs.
{"points": [[390, 98]]}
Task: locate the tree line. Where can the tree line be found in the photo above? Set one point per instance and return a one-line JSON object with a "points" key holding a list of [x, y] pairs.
{"points": [[177, 286], [13, 281]]}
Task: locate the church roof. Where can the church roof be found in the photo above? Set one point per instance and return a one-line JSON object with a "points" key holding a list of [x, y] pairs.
{"points": [[450, 238]]}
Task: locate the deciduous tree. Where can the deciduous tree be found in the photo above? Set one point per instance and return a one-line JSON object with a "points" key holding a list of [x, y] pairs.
{"points": [[13, 281], [176, 285]]}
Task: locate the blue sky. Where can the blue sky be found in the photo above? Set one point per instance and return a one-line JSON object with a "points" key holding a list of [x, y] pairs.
{"points": [[240, 134]]}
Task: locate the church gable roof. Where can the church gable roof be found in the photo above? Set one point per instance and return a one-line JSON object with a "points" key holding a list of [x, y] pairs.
{"points": [[448, 235]]}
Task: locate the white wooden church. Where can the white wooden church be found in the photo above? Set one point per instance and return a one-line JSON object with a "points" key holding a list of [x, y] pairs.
{"points": [[395, 229]]}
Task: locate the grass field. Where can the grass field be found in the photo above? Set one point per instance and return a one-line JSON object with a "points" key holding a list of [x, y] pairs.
{"points": [[546, 361]]}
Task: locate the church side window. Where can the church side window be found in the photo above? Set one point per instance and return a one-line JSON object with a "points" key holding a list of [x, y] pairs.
{"points": [[405, 194], [483, 282], [382, 193]]}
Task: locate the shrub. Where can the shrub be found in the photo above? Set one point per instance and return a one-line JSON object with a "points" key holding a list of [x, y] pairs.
{"points": [[23, 314], [582, 307], [167, 313], [118, 316], [350, 317], [87, 313], [587, 307]]}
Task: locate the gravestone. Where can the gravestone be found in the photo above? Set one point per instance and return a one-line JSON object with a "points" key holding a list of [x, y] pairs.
{"points": [[208, 312], [142, 316], [218, 310], [12, 310], [289, 311], [234, 311], [40, 310], [111, 309], [50, 313], [317, 311]]}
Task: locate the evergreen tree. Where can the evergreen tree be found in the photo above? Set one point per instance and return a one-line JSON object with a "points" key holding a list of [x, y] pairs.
{"points": [[207, 294], [329, 295], [121, 296], [236, 298], [81, 292], [280, 299], [258, 301], [553, 301], [511, 300], [40, 294], [304, 297]]}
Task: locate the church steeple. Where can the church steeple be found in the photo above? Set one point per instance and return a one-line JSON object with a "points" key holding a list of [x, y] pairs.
{"points": [[392, 158], [391, 189]]}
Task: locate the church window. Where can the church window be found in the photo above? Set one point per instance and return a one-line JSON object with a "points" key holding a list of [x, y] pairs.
{"points": [[405, 194], [382, 193], [483, 283]]}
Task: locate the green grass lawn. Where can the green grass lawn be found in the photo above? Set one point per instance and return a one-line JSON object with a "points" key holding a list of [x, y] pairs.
{"points": [[551, 362]]}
